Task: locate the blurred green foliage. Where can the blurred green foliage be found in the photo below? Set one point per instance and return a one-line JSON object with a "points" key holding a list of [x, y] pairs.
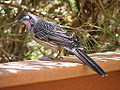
{"points": [[95, 22]]}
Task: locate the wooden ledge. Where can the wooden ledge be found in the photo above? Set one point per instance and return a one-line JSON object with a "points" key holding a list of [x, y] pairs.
{"points": [[35, 71]]}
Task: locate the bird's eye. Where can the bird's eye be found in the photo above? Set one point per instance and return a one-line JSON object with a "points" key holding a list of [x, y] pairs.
{"points": [[26, 18]]}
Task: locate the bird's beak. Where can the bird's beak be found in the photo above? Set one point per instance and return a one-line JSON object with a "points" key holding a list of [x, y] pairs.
{"points": [[18, 21]]}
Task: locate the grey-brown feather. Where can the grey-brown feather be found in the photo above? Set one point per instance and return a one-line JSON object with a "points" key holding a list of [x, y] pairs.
{"points": [[53, 33]]}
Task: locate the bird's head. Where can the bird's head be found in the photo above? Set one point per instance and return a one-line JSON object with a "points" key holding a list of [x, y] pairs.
{"points": [[27, 19]]}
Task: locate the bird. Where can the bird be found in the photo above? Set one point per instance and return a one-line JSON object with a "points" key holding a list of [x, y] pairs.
{"points": [[54, 36]]}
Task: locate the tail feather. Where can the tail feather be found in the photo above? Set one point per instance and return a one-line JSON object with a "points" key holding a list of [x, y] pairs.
{"points": [[89, 62]]}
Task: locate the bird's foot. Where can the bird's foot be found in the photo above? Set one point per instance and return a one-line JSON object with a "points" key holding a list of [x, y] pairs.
{"points": [[51, 58], [46, 58]]}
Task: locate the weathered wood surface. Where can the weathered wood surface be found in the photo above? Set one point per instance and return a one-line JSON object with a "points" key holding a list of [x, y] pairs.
{"points": [[34, 71]]}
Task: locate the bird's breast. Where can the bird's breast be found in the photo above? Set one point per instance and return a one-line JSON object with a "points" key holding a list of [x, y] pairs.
{"points": [[44, 43]]}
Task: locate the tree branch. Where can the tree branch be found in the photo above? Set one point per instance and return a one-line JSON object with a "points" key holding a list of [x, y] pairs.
{"points": [[13, 40], [6, 54], [33, 11]]}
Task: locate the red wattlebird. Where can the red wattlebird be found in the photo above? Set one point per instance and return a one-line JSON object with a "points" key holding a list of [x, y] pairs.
{"points": [[54, 36]]}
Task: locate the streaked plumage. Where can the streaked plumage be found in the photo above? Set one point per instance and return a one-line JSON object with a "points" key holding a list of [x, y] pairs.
{"points": [[54, 36]]}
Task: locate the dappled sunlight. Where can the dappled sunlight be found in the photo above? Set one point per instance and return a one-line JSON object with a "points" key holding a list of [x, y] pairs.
{"points": [[68, 61], [107, 56]]}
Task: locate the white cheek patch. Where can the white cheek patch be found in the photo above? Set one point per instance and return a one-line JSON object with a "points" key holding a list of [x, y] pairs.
{"points": [[27, 17]]}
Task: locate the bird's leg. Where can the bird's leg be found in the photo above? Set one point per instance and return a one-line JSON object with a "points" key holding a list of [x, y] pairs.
{"points": [[49, 57], [59, 52], [52, 52]]}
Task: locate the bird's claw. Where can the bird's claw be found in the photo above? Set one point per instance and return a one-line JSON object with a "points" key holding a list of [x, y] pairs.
{"points": [[46, 59], [51, 58]]}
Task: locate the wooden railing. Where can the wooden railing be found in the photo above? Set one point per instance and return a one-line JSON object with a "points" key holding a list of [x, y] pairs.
{"points": [[67, 74]]}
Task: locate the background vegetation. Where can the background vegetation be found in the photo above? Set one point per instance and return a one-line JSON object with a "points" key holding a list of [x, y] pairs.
{"points": [[95, 22]]}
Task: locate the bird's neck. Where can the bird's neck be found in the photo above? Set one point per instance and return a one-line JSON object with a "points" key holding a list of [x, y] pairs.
{"points": [[30, 24]]}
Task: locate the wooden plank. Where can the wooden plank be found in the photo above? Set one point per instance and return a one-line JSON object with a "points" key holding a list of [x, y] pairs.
{"points": [[90, 82], [36, 71]]}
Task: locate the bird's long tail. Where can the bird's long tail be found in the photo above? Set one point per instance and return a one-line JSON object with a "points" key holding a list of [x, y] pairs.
{"points": [[88, 61]]}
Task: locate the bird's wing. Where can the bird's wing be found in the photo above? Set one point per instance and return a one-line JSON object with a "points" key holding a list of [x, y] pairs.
{"points": [[51, 32]]}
